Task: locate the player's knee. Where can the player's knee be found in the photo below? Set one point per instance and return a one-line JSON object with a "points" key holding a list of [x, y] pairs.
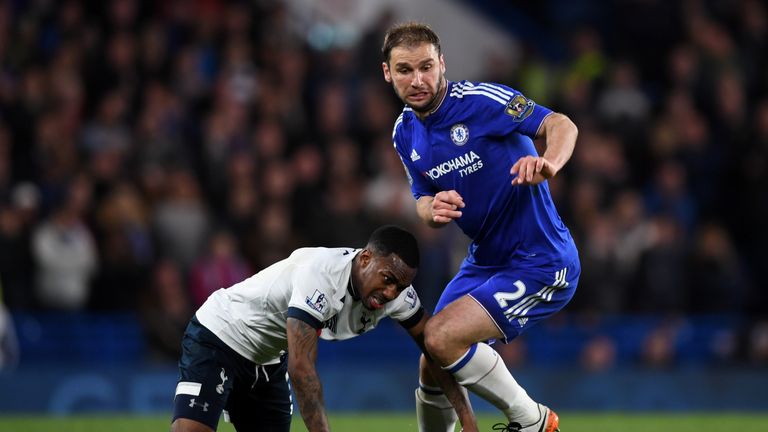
{"points": [[435, 339]]}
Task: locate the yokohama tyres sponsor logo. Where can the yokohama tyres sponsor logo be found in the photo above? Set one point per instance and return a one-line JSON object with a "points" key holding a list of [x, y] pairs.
{"points": [[466, 164]]}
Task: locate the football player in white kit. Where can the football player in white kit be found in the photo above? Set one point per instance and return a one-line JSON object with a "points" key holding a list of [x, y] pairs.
{"points": [[246, 340]]}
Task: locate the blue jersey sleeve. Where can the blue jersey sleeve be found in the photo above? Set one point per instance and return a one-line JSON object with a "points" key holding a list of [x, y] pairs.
{"points": [[506, 110], [419, 185]]}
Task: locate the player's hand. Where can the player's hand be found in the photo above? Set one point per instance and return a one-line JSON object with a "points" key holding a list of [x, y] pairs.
{"points": [[531, 170], [446, 206]]}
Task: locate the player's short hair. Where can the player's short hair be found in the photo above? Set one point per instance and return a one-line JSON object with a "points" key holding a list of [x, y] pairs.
{"points": [[409, 34], [390, 239]]}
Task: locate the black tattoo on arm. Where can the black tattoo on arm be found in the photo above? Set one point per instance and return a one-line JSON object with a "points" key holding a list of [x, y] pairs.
{"points": [[302, 354]]}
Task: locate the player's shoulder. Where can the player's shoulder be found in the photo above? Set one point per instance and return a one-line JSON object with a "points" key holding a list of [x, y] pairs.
{"points": [[323, 256], [400, 129], [405, 117], [482, 93], [326, 268]]}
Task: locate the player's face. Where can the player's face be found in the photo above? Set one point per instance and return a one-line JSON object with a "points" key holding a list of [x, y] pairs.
{"points": [[380, 279], [417, 75]]}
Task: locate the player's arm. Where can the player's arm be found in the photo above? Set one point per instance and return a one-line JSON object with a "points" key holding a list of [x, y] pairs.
{"points": [[434, 209], [302, 354], [559, 134], [437, 211], [447, 381]]}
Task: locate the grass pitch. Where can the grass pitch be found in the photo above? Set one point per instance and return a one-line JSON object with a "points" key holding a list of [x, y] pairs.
{"points": [[396, 422]]}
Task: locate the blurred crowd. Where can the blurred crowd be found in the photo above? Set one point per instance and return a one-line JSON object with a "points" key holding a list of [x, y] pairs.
{"points": [[153, 152]]}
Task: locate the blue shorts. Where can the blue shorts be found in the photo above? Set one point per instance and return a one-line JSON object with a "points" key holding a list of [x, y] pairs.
{"points": [[516, 296], [214, 378]]}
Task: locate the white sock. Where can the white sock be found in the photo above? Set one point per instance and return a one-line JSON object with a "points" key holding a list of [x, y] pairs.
{"points": [[482, 371], [433, 410]]}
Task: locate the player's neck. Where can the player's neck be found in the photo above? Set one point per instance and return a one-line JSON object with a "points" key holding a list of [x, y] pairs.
{"points": [[351, 286]]}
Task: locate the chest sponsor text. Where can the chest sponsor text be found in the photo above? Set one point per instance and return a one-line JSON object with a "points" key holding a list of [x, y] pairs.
{"points": [[465, 164]]}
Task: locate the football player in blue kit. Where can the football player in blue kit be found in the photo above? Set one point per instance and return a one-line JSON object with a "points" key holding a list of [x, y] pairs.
{"points": [[245, 341], [470, 159]]}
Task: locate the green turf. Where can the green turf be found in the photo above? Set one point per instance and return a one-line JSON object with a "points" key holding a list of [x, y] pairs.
{"points": [[570, 422]]}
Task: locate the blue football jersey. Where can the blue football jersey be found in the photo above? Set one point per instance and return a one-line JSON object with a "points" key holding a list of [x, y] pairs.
{"points": [[469, 144]]}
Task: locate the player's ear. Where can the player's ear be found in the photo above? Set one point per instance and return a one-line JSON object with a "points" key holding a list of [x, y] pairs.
{"points": [[365, 257], [387, 74], [442, 64]]}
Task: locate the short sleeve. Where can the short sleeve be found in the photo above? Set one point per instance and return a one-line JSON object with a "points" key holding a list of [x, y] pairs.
{"points": [[406, 305], [313, 293], [506, 110], [419, 185]]}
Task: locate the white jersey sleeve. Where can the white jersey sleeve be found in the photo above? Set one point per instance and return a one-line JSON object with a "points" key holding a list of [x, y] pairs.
{"points": [[315, 293], [405, 305]]}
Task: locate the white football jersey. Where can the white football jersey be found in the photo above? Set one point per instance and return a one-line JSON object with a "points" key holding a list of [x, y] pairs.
{"points": [[250, 316]]}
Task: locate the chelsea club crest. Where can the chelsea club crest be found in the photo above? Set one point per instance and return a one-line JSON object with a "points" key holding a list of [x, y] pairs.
{"points": [[459, 134]]}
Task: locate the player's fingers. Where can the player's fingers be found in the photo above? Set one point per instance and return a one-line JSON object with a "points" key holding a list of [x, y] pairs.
{"points": [[518, 176], [451, 214], [451, 197], [440, 205], [457, 199], [443, 216], [530, 165], [525, 168], [441, 201], [535, 168]]}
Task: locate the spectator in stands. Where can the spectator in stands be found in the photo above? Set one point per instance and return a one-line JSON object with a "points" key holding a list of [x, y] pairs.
{"points": [[164, 310], [127, 249], [660, 280], [65, 252], [715, 273], [180, 220], [308, 166], [17, 214], [219, 267]]}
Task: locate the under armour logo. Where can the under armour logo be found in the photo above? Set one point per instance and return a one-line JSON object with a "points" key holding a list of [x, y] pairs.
{"points": [[192, 404], [220, 387]]}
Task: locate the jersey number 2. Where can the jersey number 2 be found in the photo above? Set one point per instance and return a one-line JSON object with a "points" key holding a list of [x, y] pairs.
{"points": [[503, 298]]}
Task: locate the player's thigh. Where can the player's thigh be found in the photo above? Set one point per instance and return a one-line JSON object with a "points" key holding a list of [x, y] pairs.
{"points": [[205, 383], [462, 323], [262, 403], [519, 297]]}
